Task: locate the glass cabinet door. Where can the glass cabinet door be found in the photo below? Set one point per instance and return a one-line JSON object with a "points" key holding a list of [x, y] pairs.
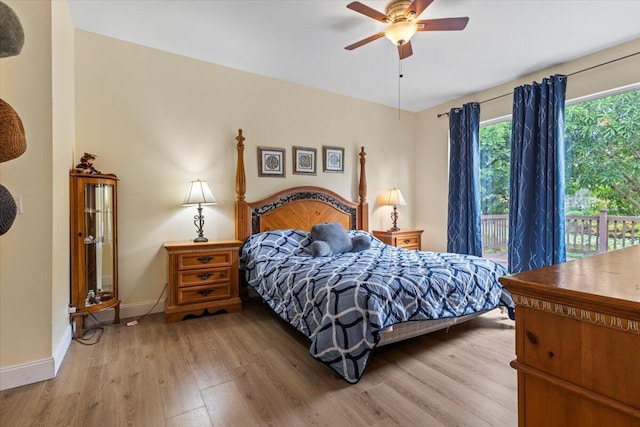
{"points": [[94, 246], [98, 242]]}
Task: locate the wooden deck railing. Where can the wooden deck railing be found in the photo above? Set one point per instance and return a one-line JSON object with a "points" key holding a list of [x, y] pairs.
{"points": [[495, 231], [584, 234]]}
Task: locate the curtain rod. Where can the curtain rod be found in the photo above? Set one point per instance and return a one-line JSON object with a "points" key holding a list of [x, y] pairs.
{"points": [[570, 74]]}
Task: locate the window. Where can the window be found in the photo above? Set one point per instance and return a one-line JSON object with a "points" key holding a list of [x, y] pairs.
{"points": [[602, 200], [495, 152]]}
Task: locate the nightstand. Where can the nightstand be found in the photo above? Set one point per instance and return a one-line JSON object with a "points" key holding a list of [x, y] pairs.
{"points": [[407, 239], [202, 277]]}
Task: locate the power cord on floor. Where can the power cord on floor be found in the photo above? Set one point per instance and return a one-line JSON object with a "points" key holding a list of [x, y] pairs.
{"points": [[87, 340], [93, 329], [139, 319]]}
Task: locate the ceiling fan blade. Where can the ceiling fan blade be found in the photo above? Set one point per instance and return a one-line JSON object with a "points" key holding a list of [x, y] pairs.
{"points": [[367, 11], [405, 50], [444, 24], [365, 41], [416, 8]]}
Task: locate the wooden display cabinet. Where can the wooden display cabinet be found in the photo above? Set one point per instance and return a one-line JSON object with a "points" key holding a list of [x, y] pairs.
{"points": [[94, 246]]}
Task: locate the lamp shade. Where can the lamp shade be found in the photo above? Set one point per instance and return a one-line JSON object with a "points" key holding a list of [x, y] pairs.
{"points": [[199, 194], [394, 198], [401, 32]]}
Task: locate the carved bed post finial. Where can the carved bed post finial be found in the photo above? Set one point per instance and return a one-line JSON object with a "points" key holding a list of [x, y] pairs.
{"points": [[243, 227], [363, 176], [362, 193], [241, 181]]}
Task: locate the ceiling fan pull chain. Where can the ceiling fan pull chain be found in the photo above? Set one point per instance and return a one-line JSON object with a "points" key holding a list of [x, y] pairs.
{"points": [[400, 75]]}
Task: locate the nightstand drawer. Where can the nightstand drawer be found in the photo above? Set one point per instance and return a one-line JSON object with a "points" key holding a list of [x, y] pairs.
{"points": [[203, 293], [202, 260], [203, 277], [408, 242], [405, 239]]}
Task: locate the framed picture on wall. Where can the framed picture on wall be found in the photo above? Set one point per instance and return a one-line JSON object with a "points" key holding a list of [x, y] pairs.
{"points": [[304, 161], [271, 162], [332, 159]]}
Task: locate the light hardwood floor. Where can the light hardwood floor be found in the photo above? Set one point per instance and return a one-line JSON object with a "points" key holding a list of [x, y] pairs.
{"points": [[250, 368]]}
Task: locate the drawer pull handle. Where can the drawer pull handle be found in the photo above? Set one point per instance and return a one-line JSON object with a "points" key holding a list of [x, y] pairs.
{"points": [[406, 241], [205, 292], [204, 276], [532, 338], [205, 259]]}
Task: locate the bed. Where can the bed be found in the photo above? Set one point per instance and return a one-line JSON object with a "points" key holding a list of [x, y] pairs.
{"points": [[349, 304]]}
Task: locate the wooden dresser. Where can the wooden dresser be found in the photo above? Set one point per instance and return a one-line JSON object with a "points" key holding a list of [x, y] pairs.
{"points": [[408, 239], [202, 276], [578, 341]]}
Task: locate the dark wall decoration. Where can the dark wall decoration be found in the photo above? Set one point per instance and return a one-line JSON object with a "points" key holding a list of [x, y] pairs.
{"points": [[13, 142], [11, 33]]}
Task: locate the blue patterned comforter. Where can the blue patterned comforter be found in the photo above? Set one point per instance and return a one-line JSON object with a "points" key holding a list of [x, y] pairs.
{"points": [[343, 301]]}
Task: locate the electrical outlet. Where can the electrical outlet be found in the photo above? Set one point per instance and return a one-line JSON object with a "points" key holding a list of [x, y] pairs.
{"points": [[71, 310]]}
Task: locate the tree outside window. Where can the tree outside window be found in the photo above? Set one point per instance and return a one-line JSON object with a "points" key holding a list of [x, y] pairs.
{"points": [[602, 161]]}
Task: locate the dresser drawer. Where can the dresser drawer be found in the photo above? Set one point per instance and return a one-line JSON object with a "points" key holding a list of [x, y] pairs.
{"points": [[596, 356], [203, 277], [197, 294], [203, 260]]}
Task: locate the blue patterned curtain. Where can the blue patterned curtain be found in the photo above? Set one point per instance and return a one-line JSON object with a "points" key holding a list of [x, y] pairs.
{"points": [[464, 234], [536, 199]]}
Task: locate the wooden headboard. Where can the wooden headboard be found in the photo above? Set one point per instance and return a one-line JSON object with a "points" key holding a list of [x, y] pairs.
{"points": [[297, 207]]}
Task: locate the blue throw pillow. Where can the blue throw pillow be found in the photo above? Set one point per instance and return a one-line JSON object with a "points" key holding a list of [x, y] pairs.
{"points": [[334, 235], [320, 248], [360, 243]]}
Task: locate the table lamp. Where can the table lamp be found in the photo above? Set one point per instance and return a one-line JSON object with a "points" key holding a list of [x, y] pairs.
{"points": [[394, 198], [199, 194]]}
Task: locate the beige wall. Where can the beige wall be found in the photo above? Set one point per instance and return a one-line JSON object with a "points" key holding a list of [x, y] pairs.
{"points": [[159, 120], [34, 285], [25, 277], [63, 143], [433, 133]]}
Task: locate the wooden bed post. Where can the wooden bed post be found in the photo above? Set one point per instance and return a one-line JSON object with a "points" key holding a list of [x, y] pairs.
{"points": [[243, 227], [363, 206]]}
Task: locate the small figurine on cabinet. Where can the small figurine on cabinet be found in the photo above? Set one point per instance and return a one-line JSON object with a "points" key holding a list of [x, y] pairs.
{"points": [[86, 164], [91, 298]]}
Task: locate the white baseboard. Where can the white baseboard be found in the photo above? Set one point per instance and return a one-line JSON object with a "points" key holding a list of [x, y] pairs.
{"points": [[61, 349], [128, 311], [38, 370], [45, 369], [27, 373]]}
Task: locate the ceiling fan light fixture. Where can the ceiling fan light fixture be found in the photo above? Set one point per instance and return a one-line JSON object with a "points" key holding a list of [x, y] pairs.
{"points": [[401, 32]]}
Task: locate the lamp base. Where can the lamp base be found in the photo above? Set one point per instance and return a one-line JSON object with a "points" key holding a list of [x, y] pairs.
{"points": [[198, 220], [394, 219]]}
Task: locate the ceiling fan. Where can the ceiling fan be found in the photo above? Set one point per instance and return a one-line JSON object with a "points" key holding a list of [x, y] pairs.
{"points": [[401, 16]]}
